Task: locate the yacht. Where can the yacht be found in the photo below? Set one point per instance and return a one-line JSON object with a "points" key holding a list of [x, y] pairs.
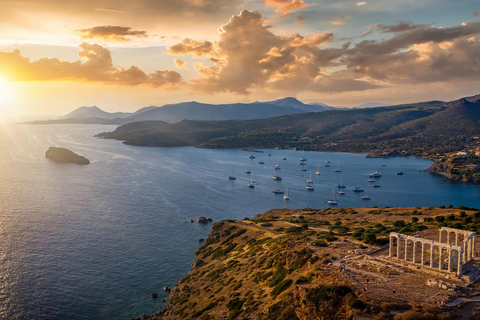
{"points": [[357, 189], [310, 187], [376, 174], [252, 156], [310, 180], [365, 197], [334, 200], [278, 191], [318, 170], [303, 157], [285, 196], [338, 168], [376, 186], [341, 192], [251, 185], [232, 177], [277, 178], [371, 179], [248, 170], [327, 161], [277, 166], [341, 185]]}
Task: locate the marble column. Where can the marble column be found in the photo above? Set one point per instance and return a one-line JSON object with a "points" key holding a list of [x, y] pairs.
{"points": [[406, 249], [440, 259], [448, 237], [459, 268], [390, 248], [465, 247], [414, 251], [449, 260], [456, 238], [422, 261], [440, 236], [398, 248], [432, 251], [474, 246]]}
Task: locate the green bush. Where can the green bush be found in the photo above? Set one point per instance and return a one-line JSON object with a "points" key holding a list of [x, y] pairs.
{"points": [[282, 286], [266, 224]]}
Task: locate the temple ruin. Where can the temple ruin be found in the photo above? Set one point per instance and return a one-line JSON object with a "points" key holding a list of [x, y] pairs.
{"points": [[457, 246]]}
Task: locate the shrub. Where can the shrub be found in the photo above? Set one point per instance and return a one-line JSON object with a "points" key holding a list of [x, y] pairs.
{"points": [[282, 286], [369, 237], [414, 219], [266, 224], [399, 224]]}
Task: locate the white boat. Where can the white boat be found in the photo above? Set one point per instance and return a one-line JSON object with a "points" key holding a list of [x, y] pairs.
{"points": [[303, 157], [252, 156], [357, 189], [251, 185], [278, 191], [285, 196], [371, 179], [341, 185], [277, 166], [327, 161], [277, 178], [232, 177], [318, 170], [310, 180], [334, 200], [376, 174], [310, 187], [338, 168], [341, 192], [248, 170], [365, 197]]}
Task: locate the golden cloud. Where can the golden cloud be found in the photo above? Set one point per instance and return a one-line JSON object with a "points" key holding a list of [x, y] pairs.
{"points": [[98, 67], [179, 63], [285, 6], [113, 33]]}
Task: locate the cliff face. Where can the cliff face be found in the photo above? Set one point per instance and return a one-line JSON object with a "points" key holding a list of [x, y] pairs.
{"points": [[459, 169], [65, 156]]}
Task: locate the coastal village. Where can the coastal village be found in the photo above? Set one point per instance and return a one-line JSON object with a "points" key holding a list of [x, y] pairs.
{"points": [[363, 263]]}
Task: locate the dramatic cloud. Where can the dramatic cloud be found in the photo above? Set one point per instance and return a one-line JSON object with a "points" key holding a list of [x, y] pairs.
{"points": [[248, 56], [179, 63], [337, 21], [114, 33], [285, 6], [98, 67]]}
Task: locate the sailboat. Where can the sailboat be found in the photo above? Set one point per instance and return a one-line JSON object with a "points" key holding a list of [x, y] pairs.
{"points": [[232, 177], [334, 200], [248, 170], [338, 168], [318, 170], [310, 180], [341, 185], [341, 192], [278, 191], [277, 166], [261, 162], [251, 185], [304, 168], [303, 157], [327, 163], [252, 156], [310, 187], [285, 196], [365, 197], [277, 178], [372, 179]]}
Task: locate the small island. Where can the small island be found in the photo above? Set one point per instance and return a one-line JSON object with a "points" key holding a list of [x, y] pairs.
{"points": [[65, 156]]}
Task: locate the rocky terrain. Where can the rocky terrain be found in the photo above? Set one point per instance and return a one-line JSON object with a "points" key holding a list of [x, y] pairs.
{"points": [[321, 264]]}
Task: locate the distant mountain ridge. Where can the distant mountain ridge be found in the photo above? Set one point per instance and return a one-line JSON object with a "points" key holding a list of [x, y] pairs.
{"points": [[190, 111]]}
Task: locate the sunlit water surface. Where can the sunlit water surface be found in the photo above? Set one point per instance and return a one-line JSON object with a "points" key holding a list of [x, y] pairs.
{"points": [[93, 242]]}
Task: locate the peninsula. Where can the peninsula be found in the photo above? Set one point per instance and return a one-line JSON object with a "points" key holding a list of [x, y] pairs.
{"points": [[335, 264], [64, 155]]}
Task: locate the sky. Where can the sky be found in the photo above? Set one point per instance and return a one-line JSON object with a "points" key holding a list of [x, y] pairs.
{"points": [[122, 55]]}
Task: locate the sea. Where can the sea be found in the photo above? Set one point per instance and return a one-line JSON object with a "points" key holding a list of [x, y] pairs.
{"points": [[95, 241]]}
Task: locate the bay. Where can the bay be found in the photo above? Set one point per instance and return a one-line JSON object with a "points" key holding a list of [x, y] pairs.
{"points": [[93, 242]]}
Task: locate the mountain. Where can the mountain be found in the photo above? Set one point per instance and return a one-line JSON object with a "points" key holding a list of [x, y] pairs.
{"points": [[294, 103], [372, 105], [94, 112]]}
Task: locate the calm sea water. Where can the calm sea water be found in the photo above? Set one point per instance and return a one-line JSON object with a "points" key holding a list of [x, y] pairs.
{"points": [[93, 242]]}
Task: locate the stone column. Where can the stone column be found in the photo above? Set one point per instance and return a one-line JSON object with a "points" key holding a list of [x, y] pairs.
{"points": [[456, 238], [406, 249], [398, 248], [432, 250], [440, 236], [440, 259], [449, 260], [448, 237], [422, 261], [459, 268], [474, 246], [465, 247], [414, 251], [390, 248]]}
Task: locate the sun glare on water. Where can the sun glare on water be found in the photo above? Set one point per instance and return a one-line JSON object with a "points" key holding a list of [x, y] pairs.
{"points": [[5, 92]]}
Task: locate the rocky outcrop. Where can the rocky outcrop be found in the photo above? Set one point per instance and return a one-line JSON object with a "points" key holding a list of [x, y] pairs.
{"points": [[65, 156]]}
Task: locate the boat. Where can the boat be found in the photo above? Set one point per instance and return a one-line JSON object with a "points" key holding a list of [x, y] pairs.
{"points": [[251, 185], [277, 178], [338, 168], [341, 185], [248, 170], [277, 166], [365, 197], [371, 179], [376, 186], [261, 162], [357, 189], [285, 196], [318, 170], [304, 168], [376, 174], [327, 161], [310, 187], [232, 177], [310, 180], [278, 191], [384, 165], [303, 157], [341, 192], [334, 200], [284, 158], [269, 154], [400, 173], [252, 156]]}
